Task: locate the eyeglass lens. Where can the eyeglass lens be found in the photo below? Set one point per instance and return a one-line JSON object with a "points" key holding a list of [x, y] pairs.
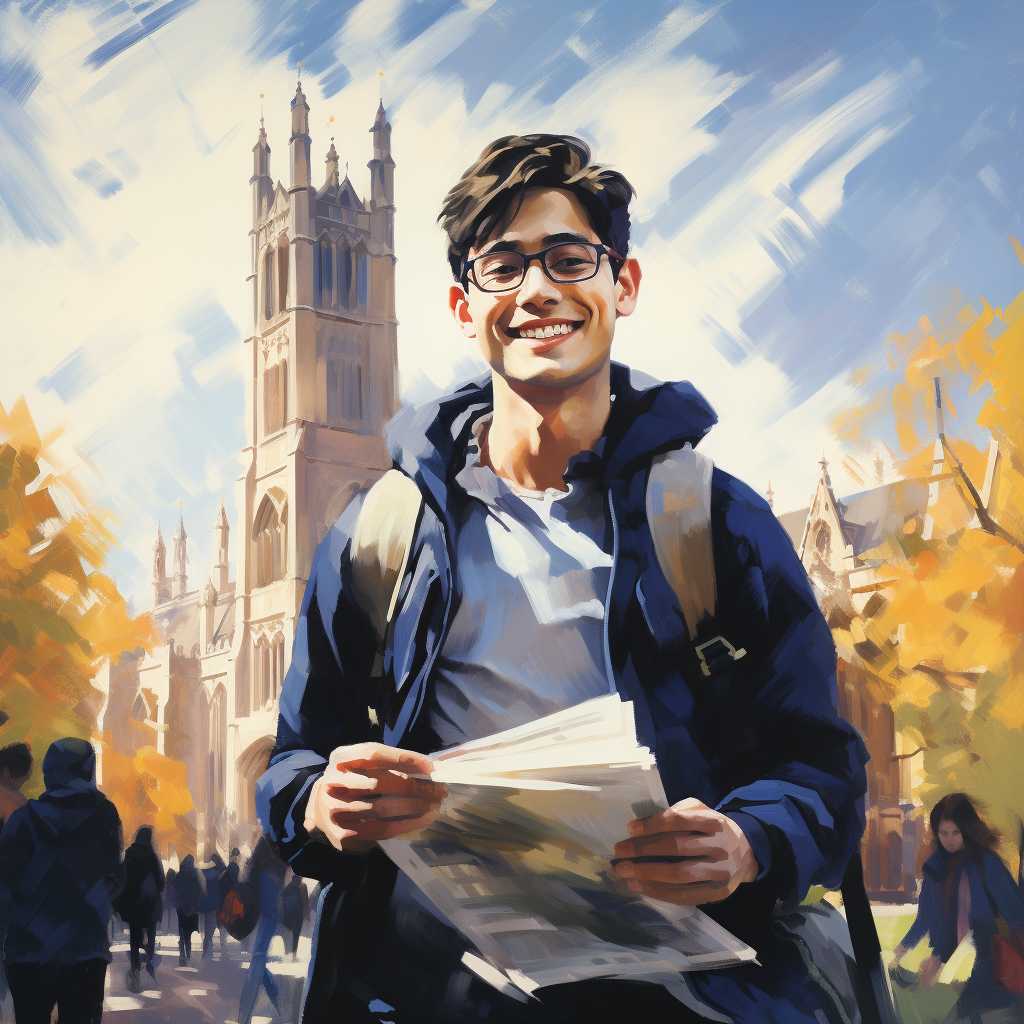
{"points": [[570, 262]]}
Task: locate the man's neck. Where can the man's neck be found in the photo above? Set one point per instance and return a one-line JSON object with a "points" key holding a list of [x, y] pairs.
{"points": [[536, 431]]}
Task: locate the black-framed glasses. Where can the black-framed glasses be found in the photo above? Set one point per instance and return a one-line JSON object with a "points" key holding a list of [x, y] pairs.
{"points": [[503, 270]]}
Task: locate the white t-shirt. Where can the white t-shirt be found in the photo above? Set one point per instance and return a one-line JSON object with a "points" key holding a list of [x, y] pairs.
{"points": [[528, 636]]}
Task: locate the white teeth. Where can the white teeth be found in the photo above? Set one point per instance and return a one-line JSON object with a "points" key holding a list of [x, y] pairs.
{"points": [[545, 332], [549, 332]]}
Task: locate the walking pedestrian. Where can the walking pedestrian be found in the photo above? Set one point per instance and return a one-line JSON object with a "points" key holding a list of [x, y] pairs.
{"points": [[15, 768], [139, 904], [60, 866], [966, 888], [214, 877], [188, 892], [294, 909], [169, 905], [266, 872]]}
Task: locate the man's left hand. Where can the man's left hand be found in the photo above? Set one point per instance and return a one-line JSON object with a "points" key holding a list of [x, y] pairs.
{"points": [[701, 855]]}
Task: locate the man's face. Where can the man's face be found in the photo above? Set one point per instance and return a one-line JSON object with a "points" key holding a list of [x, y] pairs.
{"points": [[586, 309]]}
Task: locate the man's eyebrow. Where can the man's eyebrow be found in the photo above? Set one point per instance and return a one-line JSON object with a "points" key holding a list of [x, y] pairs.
{"points": [[512, 245]]}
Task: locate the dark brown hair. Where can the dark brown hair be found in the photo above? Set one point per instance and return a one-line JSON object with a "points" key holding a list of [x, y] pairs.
{"points": [[491, 191], [959, 809], [17, 759]]}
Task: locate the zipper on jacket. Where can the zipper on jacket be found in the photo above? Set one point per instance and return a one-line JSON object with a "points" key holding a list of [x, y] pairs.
{"points": [[608, 597]]}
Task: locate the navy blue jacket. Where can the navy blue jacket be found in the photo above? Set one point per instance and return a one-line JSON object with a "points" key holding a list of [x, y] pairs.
{"points": [[938, 906], [60, 864], [761, 740]]}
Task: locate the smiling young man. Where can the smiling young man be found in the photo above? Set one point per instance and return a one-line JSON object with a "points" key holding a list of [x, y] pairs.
{"points": [[532, 584]]}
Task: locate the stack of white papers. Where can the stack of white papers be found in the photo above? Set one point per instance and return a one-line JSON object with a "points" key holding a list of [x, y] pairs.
{"points": [[519, 856]]}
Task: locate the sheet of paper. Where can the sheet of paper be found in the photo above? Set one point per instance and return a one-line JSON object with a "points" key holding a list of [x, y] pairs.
{"points": [[519, 856]]}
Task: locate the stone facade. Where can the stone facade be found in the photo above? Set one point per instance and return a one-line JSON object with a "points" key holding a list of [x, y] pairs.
{"points": [[321, 381], [834, 539]]}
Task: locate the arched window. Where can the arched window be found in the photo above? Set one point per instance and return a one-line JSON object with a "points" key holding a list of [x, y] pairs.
{"points": [[277, 663], [363, 277], [268, 285], [262, 680], [823, 538], [344, 379], [345, 274], [218, 744], [275, 396], [271, 541], [326, 275], [282, 275]]}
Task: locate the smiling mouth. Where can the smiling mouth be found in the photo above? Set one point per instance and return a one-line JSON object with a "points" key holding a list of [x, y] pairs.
{"points": [[541, 332]]}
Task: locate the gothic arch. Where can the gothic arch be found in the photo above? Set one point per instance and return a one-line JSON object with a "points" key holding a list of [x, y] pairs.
{"points": [[346, 274], [823, 538], [337, 505], [344, 379], [262, 674], [268, 283], [219, 744], [323, 273], [276, 664], [282, 273], [270, 537]]}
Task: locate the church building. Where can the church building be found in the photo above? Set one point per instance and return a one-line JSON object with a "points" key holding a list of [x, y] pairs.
{"points": [[321, 381]]}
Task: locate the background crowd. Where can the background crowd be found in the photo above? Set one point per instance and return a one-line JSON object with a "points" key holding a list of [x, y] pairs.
{"points": [[67, 889]]}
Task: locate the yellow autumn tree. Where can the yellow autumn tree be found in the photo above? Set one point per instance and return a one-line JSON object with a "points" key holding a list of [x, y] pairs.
{"points": [[60, 619], [941, 639]]}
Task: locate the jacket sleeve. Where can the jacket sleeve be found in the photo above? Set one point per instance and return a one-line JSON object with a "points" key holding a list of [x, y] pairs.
{"points": [[927, 909], [324, 704], [1005, 892], [798, 766]]}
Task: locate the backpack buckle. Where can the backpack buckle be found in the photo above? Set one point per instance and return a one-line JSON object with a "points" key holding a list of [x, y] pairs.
{"points": [[716, 657]]}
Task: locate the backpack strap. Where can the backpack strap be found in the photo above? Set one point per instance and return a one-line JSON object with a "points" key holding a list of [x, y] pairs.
{"points": [[381, 542], [679, 515]]}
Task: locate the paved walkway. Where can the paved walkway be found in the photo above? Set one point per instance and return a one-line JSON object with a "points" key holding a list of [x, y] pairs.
{"points": [[205, 992]]}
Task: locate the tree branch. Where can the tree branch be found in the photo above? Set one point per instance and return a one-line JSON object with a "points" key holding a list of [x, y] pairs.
{"points": [[903, 757]]}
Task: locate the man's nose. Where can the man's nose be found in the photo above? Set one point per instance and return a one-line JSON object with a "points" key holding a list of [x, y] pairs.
{"points": [[537, 288]]}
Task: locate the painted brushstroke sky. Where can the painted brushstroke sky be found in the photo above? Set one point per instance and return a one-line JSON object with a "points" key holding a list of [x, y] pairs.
{"points": [[810, 176]]}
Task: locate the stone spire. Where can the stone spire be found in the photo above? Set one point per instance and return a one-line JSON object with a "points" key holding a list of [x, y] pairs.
{"points": [[770, 495], [332, 166], [261, 181], [161, 585], [879, 466], [382, 167], [180, 576], [221, 530], [299, 142]]}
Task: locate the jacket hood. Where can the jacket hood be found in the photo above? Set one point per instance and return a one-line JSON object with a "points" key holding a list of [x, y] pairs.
{"points": [[71, 795], [647, 417]]}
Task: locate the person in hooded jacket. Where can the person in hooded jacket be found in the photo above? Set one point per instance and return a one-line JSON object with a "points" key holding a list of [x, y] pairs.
{"points": [[169, 904], [60, 867], [214, 878], [139, 903], [532, 584], [15, 769], [189, 892]]}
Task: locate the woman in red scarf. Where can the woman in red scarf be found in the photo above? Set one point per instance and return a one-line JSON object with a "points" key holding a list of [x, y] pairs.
{"points": [[967, 888]]}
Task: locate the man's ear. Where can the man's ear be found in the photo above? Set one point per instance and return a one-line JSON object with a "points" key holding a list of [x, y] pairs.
{"points": [[459, 306], [627, 287]]}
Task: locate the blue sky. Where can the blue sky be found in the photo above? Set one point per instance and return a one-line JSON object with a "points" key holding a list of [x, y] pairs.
{"points": [[810, 176]]}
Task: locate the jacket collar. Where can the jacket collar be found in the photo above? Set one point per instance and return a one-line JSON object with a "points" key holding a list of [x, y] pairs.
{"points": [[648, 417]]}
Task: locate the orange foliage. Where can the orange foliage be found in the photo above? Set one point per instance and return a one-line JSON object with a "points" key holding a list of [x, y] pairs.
{"points": [[944, 645], [61, 618]]}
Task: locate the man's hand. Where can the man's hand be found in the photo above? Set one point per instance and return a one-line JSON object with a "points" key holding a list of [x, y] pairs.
{"points": [[697, 855], [366, 794]]}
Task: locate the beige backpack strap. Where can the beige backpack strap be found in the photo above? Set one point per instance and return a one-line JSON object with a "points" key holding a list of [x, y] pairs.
{"points": [[679, 515], [381, 543]]}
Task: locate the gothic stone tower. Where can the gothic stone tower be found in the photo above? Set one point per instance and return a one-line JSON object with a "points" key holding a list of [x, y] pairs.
{"points": [[322, 381]]}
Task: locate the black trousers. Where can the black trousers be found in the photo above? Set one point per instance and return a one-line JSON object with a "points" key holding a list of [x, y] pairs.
{"points": [[187, 924], [141, 934], [76, 989]]}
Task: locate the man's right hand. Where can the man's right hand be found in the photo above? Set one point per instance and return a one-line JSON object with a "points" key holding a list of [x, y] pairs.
{"points": [[367, 794]]}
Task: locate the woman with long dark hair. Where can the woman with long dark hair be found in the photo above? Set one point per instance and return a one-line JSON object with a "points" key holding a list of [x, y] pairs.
{"points": [[966, 888]]}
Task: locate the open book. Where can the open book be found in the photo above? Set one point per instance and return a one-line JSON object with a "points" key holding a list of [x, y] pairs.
{"points": [[519, 856]]}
